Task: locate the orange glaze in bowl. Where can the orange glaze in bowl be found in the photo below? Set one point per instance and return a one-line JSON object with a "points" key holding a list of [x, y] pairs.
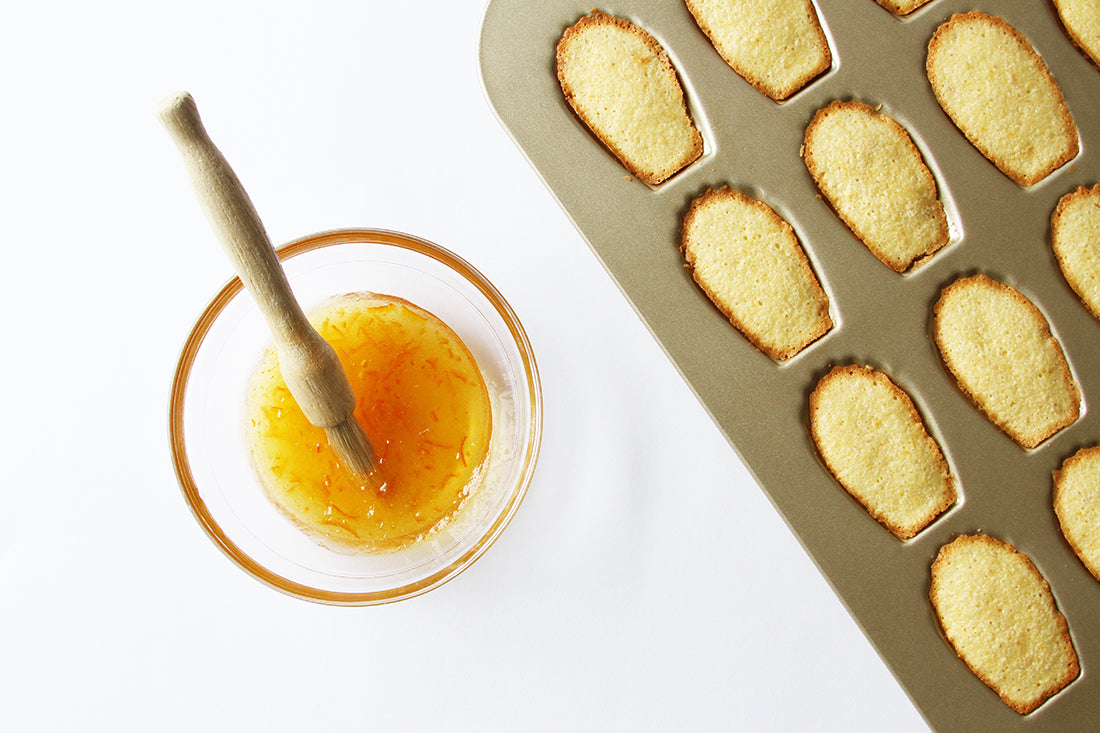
{"points": [[423, 403]]}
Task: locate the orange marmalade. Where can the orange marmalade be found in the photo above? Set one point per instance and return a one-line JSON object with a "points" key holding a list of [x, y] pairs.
{"points": [[421, 400]]}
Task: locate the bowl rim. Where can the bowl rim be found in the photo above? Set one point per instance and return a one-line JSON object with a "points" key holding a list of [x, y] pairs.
{"points": [[462, 561]]}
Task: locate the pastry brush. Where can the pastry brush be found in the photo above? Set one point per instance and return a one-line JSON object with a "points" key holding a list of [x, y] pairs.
{"points": [[308, 363]]}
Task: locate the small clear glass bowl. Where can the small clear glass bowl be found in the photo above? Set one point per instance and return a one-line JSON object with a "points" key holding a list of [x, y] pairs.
{"points": [[207, 415]]}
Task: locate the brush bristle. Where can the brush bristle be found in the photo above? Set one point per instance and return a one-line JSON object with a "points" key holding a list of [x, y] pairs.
{"points": [[352, 446]]}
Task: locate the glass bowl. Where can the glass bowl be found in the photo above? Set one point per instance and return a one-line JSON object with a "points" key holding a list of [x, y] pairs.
{"points": [[207, 415]]}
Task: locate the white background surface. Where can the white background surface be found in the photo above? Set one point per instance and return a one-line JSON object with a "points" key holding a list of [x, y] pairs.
{"points": [[645, 584]]}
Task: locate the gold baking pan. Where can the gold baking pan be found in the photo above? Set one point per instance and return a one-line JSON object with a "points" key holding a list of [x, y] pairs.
{"points": [[881, 318]]}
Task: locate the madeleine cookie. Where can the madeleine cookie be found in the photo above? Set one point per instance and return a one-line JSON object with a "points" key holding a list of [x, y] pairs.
{"points": [[621, 83], [1075, 237], [999, 93], [874, 177], [997, 611], [775, 45], [873, 441], [749, 262], [1077, 504], [901, 7], [1000, 350], [1081, 19]]}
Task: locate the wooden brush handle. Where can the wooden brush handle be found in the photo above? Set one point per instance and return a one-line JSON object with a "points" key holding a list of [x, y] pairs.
{"points": [[308, 363]]}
